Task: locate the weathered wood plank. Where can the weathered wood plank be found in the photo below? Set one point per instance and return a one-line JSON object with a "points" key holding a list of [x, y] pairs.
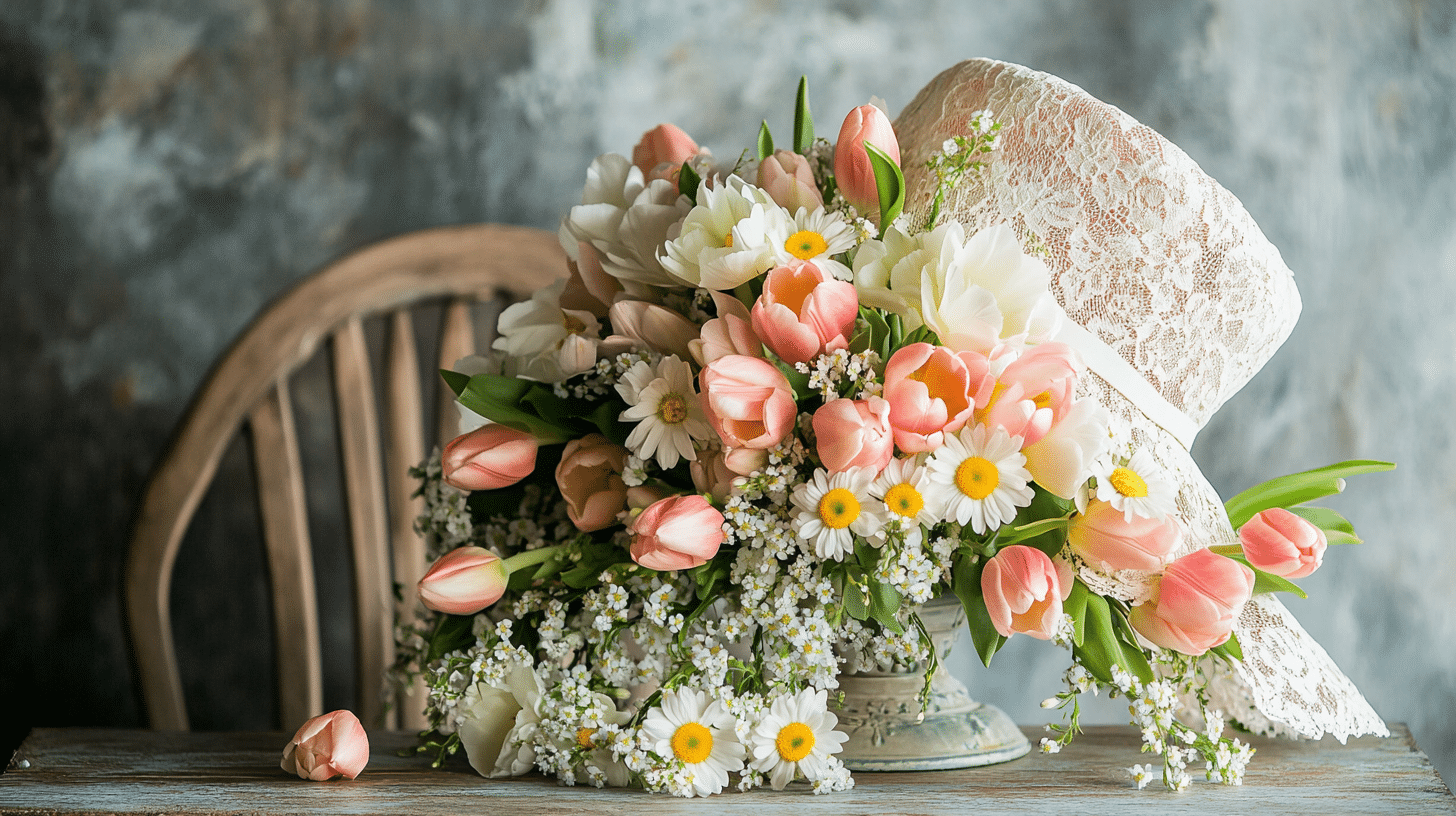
{"points": [[404, 417], [85, 771]]}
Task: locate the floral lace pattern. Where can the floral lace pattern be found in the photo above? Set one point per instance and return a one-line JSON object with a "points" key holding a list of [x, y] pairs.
{"points": [[1168, 269]]}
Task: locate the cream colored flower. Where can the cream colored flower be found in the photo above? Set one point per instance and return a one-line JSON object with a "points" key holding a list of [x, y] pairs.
{"points": [[726, 239], [499, 723], [625, 219], [979, 477], [699, 732], [544, 342], [797, 736]]}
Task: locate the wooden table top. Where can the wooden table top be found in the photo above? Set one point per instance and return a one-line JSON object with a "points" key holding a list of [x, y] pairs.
{"points": [[84, 771]]}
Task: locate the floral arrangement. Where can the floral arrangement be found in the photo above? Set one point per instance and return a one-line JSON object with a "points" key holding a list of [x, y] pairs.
{"points": [[764, 419]]}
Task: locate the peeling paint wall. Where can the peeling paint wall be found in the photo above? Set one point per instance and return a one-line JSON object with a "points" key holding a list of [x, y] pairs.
{"points": [[167, 168]]}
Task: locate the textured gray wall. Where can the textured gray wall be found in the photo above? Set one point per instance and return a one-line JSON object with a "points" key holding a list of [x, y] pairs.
{"points": [[166, 168]]}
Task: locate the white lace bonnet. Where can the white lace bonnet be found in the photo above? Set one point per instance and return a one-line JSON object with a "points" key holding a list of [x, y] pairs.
{"points": [[1176, 300]]}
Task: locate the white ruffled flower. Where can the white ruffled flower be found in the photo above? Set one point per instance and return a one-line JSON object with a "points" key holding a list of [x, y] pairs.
{"points": [[1062, 460], [626, 220], [699, 733], [545, 342], [726, 239], [980, 478], [1139, 487], [901, 486], [797, 736], [667, 411], [816, 236], [830, 508], [498, 723]]}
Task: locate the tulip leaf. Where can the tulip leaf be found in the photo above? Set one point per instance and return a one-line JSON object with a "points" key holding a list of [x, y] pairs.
{"points": [[688, 181], [1100, 649], [889, 183], [1297, 488], [1133, 658], [1265, 582], [803, 122], [452, 633], [455, 380], [1075, 607], [966, 579], [922, 334], [1338, 530], [765, 142], [1229, 648], [505, 400]]}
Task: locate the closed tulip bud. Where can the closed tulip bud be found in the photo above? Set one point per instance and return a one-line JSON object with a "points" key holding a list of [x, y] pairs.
{"points": [[852, 170], [663, 145], [329, 745], [590, 479], [854, 433], [489, 457], [677, 533], [786, 177], [1281, 543], [464, 581], [1195, 604], [1024, 590]]}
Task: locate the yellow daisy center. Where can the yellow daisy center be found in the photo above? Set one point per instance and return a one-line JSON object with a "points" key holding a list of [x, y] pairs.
{"points": [[584, 737], [977, 477], [692, 743], [1128, 483], [839, 508], [806, 245], [673, 409], [795, 741], [904, 500]]}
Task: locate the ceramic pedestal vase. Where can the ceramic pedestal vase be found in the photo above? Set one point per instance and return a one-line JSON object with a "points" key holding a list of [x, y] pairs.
{"points": [[881, 714]]}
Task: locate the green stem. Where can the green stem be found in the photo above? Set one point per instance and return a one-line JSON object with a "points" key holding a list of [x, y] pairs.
{"points": [[531, 558]]}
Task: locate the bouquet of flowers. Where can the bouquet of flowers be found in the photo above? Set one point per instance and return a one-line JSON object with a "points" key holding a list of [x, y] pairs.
{"points": [[767, 416]]}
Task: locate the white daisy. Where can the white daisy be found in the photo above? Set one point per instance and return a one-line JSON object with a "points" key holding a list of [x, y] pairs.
{"points": [[698, 732], [980, 477], [1139, 487], [830, 508], [796, 736], [724, 240], [667, 411], [901, 486], [816, 236]]}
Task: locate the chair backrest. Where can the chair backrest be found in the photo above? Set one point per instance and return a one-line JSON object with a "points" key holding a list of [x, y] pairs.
{"points": [[249, 387]]}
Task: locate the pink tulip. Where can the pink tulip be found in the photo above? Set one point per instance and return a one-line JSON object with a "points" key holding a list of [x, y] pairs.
{"points": [[590, 478], [464, 581], [677, 533], [1035, 392], [852, 170], [854, 433], [489, 457], [803, 312], [1104, 538], [731, 332], [1024, 590], [933, 391], [655, 327], [1281, 543], [663, 145], [744, 461], [1195, 603], [329, 745], [789, 181], [747, 401]]}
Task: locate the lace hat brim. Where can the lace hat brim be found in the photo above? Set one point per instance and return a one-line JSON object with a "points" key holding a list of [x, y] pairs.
{"points": [[1180, 300]]}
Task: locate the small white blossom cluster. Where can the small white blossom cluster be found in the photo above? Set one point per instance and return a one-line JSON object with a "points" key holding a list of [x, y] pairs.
{"points": [[445, 520], [842, 374]]}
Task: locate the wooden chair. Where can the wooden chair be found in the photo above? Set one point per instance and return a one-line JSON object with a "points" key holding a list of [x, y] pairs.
{"points": [[250, 386]]}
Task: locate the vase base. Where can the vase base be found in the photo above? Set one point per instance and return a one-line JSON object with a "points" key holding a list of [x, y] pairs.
{"points": [[982, 735]]}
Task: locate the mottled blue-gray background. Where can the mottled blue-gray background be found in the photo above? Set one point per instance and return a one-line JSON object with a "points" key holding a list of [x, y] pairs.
{"points": [[168, 167]]}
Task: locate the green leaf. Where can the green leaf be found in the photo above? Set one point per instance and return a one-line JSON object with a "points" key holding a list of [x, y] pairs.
{"points": [[500, 399], [765, 142], [803, 122], [922, 334], [854, 596], [1133, 658], [798, 380], [1016, 535], [455, 380], [889, 182], [452, 633], [1265, 582], [1298, 488], [688, 181], [1075, 607], [1338, 530], [1100, 649], [1229, 648], [966, 581], [884, 603]]}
